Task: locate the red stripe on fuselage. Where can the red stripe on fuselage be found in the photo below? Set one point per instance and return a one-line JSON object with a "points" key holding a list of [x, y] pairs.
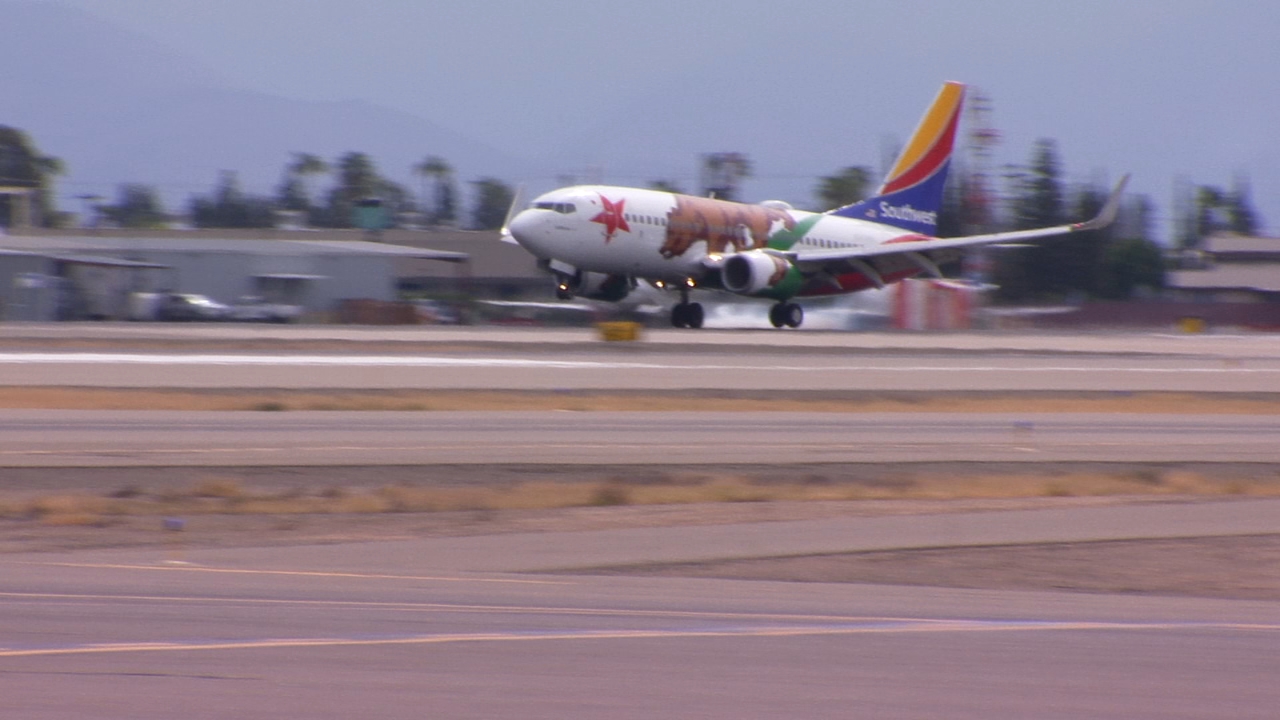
{"points": [[908, 239], [854, 282]]}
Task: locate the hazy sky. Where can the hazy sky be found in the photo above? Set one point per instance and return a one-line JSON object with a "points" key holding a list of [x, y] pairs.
{"points": [[1161, 88]]}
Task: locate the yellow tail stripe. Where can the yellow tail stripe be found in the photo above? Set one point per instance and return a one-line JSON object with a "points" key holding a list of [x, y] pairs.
{"points": [[930, 128]]}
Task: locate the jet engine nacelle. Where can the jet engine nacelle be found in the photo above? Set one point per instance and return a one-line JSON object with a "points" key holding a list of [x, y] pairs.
{"points": [[759, 273], [600, 286]]}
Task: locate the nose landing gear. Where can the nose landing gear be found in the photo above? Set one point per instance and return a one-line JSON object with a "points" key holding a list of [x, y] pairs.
{"points": [[687, 315]]}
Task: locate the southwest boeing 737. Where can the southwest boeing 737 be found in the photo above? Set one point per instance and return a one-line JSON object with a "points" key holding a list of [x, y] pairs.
{"points": [[599, 241]]}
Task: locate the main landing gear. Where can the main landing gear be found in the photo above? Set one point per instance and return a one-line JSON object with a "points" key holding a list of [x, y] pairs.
{"points": [[788, 314], [687, 315]]}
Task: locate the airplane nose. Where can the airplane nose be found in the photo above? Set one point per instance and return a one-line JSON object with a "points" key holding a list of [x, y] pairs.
{"points": [[524, 227]]}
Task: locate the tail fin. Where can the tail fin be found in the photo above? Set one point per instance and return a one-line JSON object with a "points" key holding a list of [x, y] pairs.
{"points": [[911, 195]]}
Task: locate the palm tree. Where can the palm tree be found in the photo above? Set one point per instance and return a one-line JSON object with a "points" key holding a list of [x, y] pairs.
{"points": [[23, 166], [721, 173], [844, 188], [441, 173], [305, 165], [294, 193]]}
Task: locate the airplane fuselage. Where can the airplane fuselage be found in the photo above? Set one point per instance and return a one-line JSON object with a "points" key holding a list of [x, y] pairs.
{"points": [[676, 238]]}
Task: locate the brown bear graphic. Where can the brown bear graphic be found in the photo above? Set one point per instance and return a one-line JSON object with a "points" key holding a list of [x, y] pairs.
{"points": [[721, 224]]}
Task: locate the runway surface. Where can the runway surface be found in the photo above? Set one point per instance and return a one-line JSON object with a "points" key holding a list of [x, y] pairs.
{"points": [[618, 369], [495, 358], [51, 438], [411, 338], [446, 628], [504, 626]]}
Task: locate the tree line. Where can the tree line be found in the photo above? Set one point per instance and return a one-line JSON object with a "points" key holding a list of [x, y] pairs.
{"points": [[1117, 262], [357, 183]]}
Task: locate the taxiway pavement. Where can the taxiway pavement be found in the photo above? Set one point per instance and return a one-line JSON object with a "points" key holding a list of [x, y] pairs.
{"points": [[432, 626], [107, 438]]}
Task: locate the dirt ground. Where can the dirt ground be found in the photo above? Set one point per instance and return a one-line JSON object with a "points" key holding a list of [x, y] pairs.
{"points": [[1230, 567], [1236, 568]]}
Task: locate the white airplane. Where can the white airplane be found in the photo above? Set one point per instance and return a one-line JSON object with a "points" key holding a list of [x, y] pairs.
{"points": [[599, 241]]}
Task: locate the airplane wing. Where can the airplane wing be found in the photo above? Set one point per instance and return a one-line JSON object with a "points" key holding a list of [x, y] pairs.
{"points": [[926, 253]]}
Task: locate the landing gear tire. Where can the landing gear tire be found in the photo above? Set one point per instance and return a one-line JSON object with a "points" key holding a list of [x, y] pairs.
{"points": [[695, 316], [687, 315], [786, 314], [775, 316]]}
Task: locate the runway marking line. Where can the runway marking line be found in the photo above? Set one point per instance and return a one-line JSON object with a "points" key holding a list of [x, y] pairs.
{"points": [[285, 361], [462, 608], [1048, 443], [830, 625], [301, 573], [878, 628]]}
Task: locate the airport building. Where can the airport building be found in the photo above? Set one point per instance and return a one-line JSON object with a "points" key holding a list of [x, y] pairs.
{"points": [[45, 275], [1229, 267]]}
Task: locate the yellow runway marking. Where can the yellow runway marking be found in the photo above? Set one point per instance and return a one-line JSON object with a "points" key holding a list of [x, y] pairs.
{"points": [[463, 608], [766, 625], [305, 573], [759, 632]]}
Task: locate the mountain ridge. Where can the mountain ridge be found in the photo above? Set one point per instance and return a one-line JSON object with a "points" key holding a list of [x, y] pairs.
{"points": [[118, 108]]}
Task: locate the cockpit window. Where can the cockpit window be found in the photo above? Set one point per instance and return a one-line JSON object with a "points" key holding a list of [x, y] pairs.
{"points": [[563, 208]]}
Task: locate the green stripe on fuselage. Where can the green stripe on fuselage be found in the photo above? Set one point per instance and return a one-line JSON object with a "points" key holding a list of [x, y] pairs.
{"points": [[784, 239]]}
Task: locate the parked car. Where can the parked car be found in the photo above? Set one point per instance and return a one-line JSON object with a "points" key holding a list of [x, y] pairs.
{"points": [[252, 308], [191, 306], [435, 312]]}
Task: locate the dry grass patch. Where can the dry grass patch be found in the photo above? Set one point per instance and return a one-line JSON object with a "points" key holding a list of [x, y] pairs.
{"points": [[226, 488], [1137, 482], [358, 504], [226, 495], [711, 488], [68, 504], [66, 510]]}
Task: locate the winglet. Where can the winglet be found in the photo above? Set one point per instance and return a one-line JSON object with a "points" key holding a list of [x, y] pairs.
{"points": [[516, 203], [1110, 209]]}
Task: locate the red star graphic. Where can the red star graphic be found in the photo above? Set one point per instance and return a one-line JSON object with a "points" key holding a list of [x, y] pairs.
{"points": [[612, 217]]}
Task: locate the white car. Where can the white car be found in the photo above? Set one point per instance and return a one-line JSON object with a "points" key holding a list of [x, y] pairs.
{"points": [[251, 308], [190, 306]]}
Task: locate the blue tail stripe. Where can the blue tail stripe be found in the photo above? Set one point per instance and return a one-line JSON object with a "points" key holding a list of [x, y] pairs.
{"points": [[915, 208]]}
